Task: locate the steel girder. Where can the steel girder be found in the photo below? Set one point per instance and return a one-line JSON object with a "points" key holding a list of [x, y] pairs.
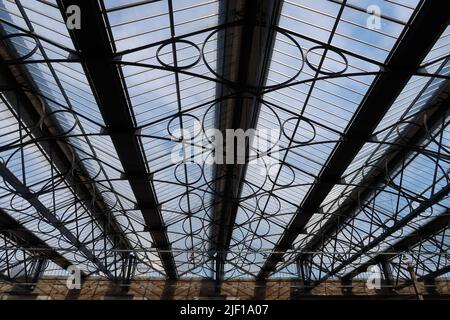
{"points": [[393, 158], [430, 228], [436, 198], [49, 216], [250, 72], [416, 133], [412, 47], [27, 240], [94, 48], [28, 108]]}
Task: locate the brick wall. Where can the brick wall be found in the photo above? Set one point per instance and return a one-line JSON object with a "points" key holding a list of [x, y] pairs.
{"points": [[144, 289]]}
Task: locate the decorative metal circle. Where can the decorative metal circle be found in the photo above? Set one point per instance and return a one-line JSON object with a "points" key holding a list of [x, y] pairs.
{"points": [[92, 166], [211, 184], [185, 203], [263, 201], [45, 227], [181, 167], [23, 35], [275, 180], [253, 244], [68, 215], [64, 113], [299, 121], [260, 227], [192, 226], [242, 219], [178, 67], [19, 204], [275, 115], [228, 81], [143, 269], [46, 186], [188, 118], [124, 223], [330, 73]]}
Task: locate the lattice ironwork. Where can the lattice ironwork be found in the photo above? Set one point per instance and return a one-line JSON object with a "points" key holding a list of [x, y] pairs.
{"points": [[90, 120]]}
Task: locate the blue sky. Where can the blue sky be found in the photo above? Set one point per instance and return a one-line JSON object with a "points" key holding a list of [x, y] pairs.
{"points": [[152, 92]]}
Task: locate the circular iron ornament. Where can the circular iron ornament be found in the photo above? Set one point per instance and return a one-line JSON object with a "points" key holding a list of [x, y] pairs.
{"points": [[92, 268], [271, 109], [281, 166], [253, 244], [287, 35], [263, 199], [209, 223], [46, 228], [50, 184], [211, 184], [180, 116], [143, 269], [79, 166], [292, 138], [180, 166], [109, 198], [328, 73], [259, 227], [178, 67], [248, 196], [68, 215], [245, 259], [26, 56], [238, 237], [125, 223], [62, 132], [186, 197], [191, 228], [241, 221], [19, 204]]}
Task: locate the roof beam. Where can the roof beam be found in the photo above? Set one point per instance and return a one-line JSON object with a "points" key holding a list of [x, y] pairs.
{"points": [[417, 133], [27, 240], [93, 43], [30, 109], [435, 274], [50, 217], [431, 228], [249, 73], [411, 49], [436, 198], [425, 278], [394, 157]]}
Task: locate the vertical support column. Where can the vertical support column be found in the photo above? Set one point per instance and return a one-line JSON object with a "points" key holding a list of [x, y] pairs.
{"points": [[415, 283], [388, 283]]}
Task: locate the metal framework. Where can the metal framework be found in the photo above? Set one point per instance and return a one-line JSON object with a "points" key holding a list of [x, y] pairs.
{"points": [[108, 161]]}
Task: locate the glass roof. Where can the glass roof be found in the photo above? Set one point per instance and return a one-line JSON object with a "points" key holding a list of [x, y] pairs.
{"points": [[170, 57]]}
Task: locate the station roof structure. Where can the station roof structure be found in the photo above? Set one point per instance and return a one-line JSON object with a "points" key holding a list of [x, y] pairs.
{"points": [[98, 170]]}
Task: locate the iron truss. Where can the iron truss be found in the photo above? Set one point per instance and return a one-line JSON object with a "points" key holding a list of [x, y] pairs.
{"points": [[358, 174]]}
